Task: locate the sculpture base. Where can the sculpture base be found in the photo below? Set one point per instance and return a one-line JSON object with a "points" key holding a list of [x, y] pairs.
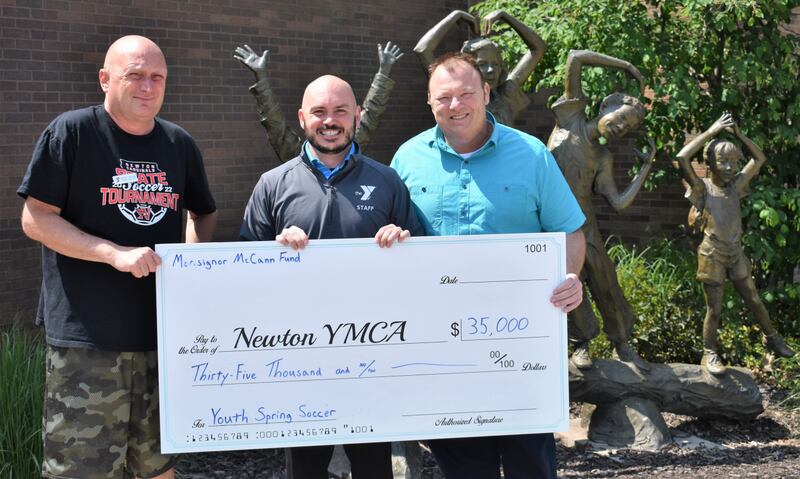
{"points": [[634, 423]]}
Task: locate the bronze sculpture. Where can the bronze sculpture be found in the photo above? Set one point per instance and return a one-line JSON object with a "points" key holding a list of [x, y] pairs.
{"points": [[576, 143], [716, 210], [507, 98], [284, 140]]}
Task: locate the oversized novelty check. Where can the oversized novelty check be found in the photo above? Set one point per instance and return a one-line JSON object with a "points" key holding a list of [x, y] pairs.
{"points": [[345, 342]]}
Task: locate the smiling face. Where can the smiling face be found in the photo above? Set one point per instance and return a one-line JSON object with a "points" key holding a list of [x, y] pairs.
{"points": [[134, 78], [617, 121], [458, 97], [329, 116]]}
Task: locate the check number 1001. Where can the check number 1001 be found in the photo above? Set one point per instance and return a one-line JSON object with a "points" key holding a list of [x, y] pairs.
{"points": [[536, 248]]}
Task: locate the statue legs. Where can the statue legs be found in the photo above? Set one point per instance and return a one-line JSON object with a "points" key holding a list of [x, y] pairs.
{"points": [[600, 276], [582, 327], [747, 290], [711, 359]]}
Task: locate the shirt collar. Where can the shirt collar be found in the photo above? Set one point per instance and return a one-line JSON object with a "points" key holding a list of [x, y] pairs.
{"points": [[321, 166], [438, 140]]}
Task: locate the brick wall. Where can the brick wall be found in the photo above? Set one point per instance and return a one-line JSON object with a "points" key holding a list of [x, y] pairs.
{"points": [[50, 51]]}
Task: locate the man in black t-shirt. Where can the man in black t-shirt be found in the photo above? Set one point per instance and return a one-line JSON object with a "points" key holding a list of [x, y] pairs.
{"points": [[105, 184]]}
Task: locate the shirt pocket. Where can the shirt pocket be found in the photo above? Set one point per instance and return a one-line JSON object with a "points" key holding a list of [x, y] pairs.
{"points": [[428, 202], [509, 209]]}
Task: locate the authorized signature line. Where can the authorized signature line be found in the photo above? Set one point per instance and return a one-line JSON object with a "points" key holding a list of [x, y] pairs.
{"points": [[444, 413]]}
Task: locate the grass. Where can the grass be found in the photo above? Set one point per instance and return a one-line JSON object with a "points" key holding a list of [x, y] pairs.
{"points": [[22, 363]]}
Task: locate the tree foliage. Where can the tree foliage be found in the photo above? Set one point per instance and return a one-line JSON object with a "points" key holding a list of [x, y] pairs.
{"points": [[700, 58]]}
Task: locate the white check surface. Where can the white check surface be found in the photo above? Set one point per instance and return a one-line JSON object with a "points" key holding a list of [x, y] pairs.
{"points": [[344, 342]]}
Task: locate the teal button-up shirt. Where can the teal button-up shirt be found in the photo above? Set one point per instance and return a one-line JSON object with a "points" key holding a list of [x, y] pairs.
{"points": [[512, 184]]}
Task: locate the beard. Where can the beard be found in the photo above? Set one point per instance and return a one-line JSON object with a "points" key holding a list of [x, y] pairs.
{"points": [[311, 136]]}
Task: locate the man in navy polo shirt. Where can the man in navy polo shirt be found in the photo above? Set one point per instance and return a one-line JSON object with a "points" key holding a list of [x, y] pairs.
{"points": [[331, 191]]}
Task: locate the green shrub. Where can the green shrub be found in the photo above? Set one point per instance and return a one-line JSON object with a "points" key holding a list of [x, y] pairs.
{"points": [[700, 58], [22, 358], [787, 377], [659, 283]]}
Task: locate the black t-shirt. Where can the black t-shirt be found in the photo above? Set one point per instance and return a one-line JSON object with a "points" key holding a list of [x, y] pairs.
{"points": [[126, 188]]}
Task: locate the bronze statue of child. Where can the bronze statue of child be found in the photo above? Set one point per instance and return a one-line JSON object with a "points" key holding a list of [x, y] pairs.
{"points": [[579, 146], [717, 212], [507, 100]]}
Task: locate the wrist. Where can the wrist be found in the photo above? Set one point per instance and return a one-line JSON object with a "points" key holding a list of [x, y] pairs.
{"points": [[108, 252]]}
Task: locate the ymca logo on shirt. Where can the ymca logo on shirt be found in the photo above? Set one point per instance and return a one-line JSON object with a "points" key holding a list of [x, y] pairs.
{"points": [[365, 194], [141, 192]]}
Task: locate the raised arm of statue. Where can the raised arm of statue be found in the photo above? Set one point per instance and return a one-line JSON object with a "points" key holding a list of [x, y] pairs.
{"points": [[387, 57], [577, 59], [250, 59], [378, 95], [427, 44], [753, 166], [604, 181], [284, 140], [536, 46], [693, 148]]}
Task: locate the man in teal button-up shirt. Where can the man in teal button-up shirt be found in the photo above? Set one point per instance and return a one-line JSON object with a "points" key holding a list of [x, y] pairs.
{"points": [[472, 175]]}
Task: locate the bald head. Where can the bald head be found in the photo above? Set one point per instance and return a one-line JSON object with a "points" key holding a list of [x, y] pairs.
{"points": [[327, 86], [329, 116], [133, 78], [131, 45]]}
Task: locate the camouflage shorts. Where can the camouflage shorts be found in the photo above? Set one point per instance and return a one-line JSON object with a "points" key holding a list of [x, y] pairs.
{"points": [[101, 415]]}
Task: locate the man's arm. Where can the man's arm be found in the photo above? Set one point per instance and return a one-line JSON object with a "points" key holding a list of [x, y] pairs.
{"points": [[576, 252], [42, 222], [200, 228], [569, 294]]}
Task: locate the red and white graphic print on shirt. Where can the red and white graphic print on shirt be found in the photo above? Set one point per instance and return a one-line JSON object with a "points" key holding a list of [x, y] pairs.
{"points": [[141, 192]]}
